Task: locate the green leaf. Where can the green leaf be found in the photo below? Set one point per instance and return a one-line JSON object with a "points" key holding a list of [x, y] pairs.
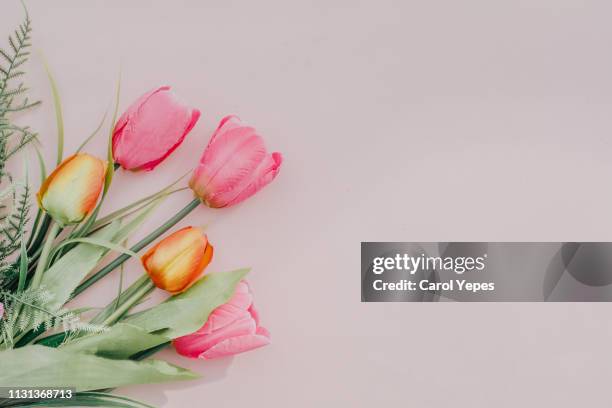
{"points": [[187, 312], [93, 134], [86, 399], [40, 366], [41, 163], [65, 275], [134, 223], [120, 287], [127, 229], [111, 161], [39, 213], [98, 242], [139, 204], [120, 342], [129, 210], [85, 227], [120, 236], [58, 114], [91, 226]]}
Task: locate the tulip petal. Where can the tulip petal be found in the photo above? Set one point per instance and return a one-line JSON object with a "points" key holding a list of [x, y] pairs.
{"points": [[235, 345], [261, 177], [195, 116], [254, 314], [227, 123], [232, 328], [177, 260], [228, 313], [72, 190], [231, 158], [132, 111], [262, 331], [151, 129], [193, 344], [234, 165]]}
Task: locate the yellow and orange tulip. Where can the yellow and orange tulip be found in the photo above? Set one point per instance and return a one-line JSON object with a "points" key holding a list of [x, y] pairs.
{"points": [[71, 192], [176, 262]]}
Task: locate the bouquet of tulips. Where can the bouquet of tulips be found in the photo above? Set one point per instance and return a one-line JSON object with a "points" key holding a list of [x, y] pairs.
{"points": [[46, 343]]}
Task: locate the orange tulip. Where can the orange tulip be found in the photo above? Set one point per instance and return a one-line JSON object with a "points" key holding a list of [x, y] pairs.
{"points": [[71, 192], [175, 262]]}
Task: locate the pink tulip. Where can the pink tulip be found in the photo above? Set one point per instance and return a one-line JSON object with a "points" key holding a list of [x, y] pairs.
{"points": [[234, 166], [1, 310], [231, 329], [150, 129]]}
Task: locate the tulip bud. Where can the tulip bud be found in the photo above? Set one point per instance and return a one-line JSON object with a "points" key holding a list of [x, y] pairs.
{"points": [[150, 129], [175, 262], [234, 166], [231, 329], [71, 192]]}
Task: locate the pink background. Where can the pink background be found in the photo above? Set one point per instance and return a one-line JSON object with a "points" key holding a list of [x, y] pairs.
{"points": [[399, 121]]}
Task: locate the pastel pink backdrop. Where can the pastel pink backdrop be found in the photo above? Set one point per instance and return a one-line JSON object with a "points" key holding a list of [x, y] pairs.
{"points": [[406, 121]]}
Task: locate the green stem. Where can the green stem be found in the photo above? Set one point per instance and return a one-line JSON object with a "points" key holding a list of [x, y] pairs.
{"points": [[137, 247], [129, 303], [44, 255], [121, 299]]}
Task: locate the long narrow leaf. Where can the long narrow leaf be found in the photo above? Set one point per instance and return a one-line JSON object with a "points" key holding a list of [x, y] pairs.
{"points": [[120, 342], [23, 266], [120, 286], [166, 191], [57, 103], [41, 163], [85, 228], [40, 366], [122, 297], [98, 242], [65, 275], [121, 235], [111, 161], [134, 223], [39, 213], [93, 134], [84, 399]]}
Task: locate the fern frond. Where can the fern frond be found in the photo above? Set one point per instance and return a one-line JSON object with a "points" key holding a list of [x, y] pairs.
{"points": [[25, 137], [27, 311], [16, 56], [15, 203], [12, 89]]}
